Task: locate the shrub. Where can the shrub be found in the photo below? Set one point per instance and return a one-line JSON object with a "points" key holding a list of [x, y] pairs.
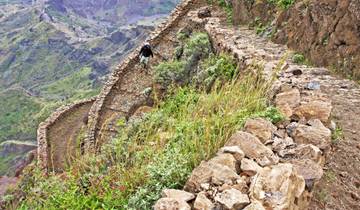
{"points": [[298, 58], [283, 4]]}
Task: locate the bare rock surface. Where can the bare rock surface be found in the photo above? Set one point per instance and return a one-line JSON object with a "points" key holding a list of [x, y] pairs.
{"points": [[235, 151], [171, 204], [178, 195], [203, 203], [250, 167], [277, 187], [232, 199], [208, 172], [253, 148], [314, 110], [255, 206], [316, 134], [261, 128]]}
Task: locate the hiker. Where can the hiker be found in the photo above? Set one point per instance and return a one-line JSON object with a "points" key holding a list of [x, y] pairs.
{"points": [[145, 54]]}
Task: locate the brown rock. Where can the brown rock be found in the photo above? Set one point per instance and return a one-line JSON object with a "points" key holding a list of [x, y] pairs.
{"points": [[235, 151], [249, 167], [232, 199], [178, 195], [280, 145], [304, 151], [226, 159], [171, 204], [292, 98], [261, 128], [314, 110], [308, 169], [253, 148], [208, 172], [204, 12], [254, 206], [203, 203], [285, 109], [277, 187], [241, 185], [316, 134]]}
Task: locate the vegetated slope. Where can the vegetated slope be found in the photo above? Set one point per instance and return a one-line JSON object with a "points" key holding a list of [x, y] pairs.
{"points": [[50, 57], [159, 150]]}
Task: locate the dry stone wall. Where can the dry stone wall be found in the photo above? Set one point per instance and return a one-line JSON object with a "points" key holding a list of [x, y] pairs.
{"points": [[47, 139]]}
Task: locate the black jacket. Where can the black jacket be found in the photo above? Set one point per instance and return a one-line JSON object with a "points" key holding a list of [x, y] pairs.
{"points": [[146, 51]]}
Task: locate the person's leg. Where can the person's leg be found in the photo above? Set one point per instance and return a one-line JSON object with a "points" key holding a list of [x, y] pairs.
{"points": [[142, 61], [146, 61]]}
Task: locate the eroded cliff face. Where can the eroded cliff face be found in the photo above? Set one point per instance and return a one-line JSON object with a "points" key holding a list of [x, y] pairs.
{"points": [[326, 31]]}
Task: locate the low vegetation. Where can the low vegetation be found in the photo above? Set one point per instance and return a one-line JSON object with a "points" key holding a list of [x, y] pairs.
{"points": [[283, 4], [226, 6]]}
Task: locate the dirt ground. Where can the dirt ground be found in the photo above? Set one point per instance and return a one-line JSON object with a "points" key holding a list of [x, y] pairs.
{"points": [[340, 186]]}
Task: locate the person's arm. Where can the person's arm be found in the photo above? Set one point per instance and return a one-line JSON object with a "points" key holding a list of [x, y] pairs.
{"points": [[141, 51], [151, 52]]}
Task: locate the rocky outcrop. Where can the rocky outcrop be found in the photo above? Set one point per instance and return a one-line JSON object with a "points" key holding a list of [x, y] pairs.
{"points": [[327, 32]]}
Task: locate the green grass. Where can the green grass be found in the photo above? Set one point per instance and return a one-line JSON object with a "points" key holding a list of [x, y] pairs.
{"points": [[16, 115], [337, 135], [76, 85]]}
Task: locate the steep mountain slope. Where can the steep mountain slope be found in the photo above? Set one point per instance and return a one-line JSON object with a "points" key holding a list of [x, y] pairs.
{"points": [[54, 52]]}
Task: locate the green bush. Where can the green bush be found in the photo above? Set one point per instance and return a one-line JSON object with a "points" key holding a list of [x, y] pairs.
{"points": [[300, 59], [284, 4]]}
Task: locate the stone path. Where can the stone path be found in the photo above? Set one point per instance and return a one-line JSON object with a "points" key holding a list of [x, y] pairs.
{"points": [[316, 94], [340, 189]]}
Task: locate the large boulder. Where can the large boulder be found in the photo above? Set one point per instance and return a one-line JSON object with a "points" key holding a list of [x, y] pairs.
{"points": [[291, 97], [308, 169], [314, 110], [226, 159], [171, 204], [287, 101], [209, 172], [232, 199], [315, 133], [253, 148], [277, 187], [261, 128], [303, 151]]}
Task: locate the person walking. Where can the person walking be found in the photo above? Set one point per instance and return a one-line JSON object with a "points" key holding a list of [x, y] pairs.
{"points": [[145, 54]]}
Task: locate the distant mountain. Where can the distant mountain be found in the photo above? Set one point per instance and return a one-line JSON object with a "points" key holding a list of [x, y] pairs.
{"points": [[54, 52]]}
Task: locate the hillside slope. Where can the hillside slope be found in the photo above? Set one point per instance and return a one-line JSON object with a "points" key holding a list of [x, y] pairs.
{"points": [[55, 52]]}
